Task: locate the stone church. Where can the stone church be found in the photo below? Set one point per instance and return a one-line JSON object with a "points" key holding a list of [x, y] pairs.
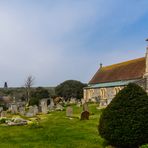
{"points": [[109, 80]]}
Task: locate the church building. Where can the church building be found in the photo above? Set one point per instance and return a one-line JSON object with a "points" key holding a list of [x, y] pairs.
{"points": [[109, 80]]}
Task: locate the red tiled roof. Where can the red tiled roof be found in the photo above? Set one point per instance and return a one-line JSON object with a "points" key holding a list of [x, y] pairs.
{"points": [[128, 70]]}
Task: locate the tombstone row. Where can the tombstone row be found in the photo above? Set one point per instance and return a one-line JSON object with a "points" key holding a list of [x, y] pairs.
{"points": [[15, 108]]}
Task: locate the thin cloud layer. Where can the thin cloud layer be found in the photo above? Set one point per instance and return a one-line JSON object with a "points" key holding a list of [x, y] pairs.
{"points": [[59, 40]]}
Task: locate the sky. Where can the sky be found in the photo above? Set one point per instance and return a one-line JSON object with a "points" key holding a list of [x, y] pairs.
{"points": [[58, 40]]}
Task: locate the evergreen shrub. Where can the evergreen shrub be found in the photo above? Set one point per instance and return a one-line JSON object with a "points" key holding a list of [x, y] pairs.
{"points": [[124, 122]]}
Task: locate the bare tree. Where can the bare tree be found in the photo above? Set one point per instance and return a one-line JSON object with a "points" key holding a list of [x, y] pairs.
{"points": [[28, 84]]}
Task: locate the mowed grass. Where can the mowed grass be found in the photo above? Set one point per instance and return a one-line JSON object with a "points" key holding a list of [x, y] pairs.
{"points": [[56, 131]]}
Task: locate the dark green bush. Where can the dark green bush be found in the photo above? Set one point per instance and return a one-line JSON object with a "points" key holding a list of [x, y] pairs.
{"points": [[38, 94], [124, 122], [70, 89]]}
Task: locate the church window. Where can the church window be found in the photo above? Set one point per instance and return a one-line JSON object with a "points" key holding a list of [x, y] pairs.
{"points": [[116, 90], [103, 93]]}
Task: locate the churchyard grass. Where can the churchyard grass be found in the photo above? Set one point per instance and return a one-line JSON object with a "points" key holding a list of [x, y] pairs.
{"points": [[55, 130]]}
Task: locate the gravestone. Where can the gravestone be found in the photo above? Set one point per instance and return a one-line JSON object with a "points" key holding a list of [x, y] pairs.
{"points": [[22, 111], [1, 109], [30, 112], [35, 110], [44, 108], [85, 107], [69, 111], [3, 114], [14, 109], [85, 115]]}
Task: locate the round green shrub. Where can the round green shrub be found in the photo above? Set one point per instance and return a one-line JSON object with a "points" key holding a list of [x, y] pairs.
{"points": [[124, 122]]}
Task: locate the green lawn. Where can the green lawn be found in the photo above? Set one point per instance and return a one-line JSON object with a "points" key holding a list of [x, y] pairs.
{"points": [[55, 131]]}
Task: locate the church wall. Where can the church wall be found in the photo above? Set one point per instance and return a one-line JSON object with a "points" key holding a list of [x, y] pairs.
{"points": [[105, 95], [101, 95]]}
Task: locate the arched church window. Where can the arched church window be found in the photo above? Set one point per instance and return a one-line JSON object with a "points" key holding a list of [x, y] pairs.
{"points": [[116, 90], [103, 93]]}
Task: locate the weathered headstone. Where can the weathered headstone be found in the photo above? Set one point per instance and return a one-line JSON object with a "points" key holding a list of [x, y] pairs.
{"points": [[30, 112], [69, 111], [3, 114], [22, 111], [1, 109], [44, 108], [35, 110], [14, 109], [85, 115], [85, 107]]}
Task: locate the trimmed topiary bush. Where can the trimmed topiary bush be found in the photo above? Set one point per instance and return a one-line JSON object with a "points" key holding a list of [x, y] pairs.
{"points": [[124, 122]]}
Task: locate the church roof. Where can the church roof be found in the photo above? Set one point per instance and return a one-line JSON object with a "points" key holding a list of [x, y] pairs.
{"points": [[129, 70]]}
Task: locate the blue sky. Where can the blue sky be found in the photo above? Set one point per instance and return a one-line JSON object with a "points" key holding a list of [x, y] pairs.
{"points": [[67, 39]]}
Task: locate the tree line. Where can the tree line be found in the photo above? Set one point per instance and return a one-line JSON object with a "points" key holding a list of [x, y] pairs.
{"points": [[32, 95]]}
